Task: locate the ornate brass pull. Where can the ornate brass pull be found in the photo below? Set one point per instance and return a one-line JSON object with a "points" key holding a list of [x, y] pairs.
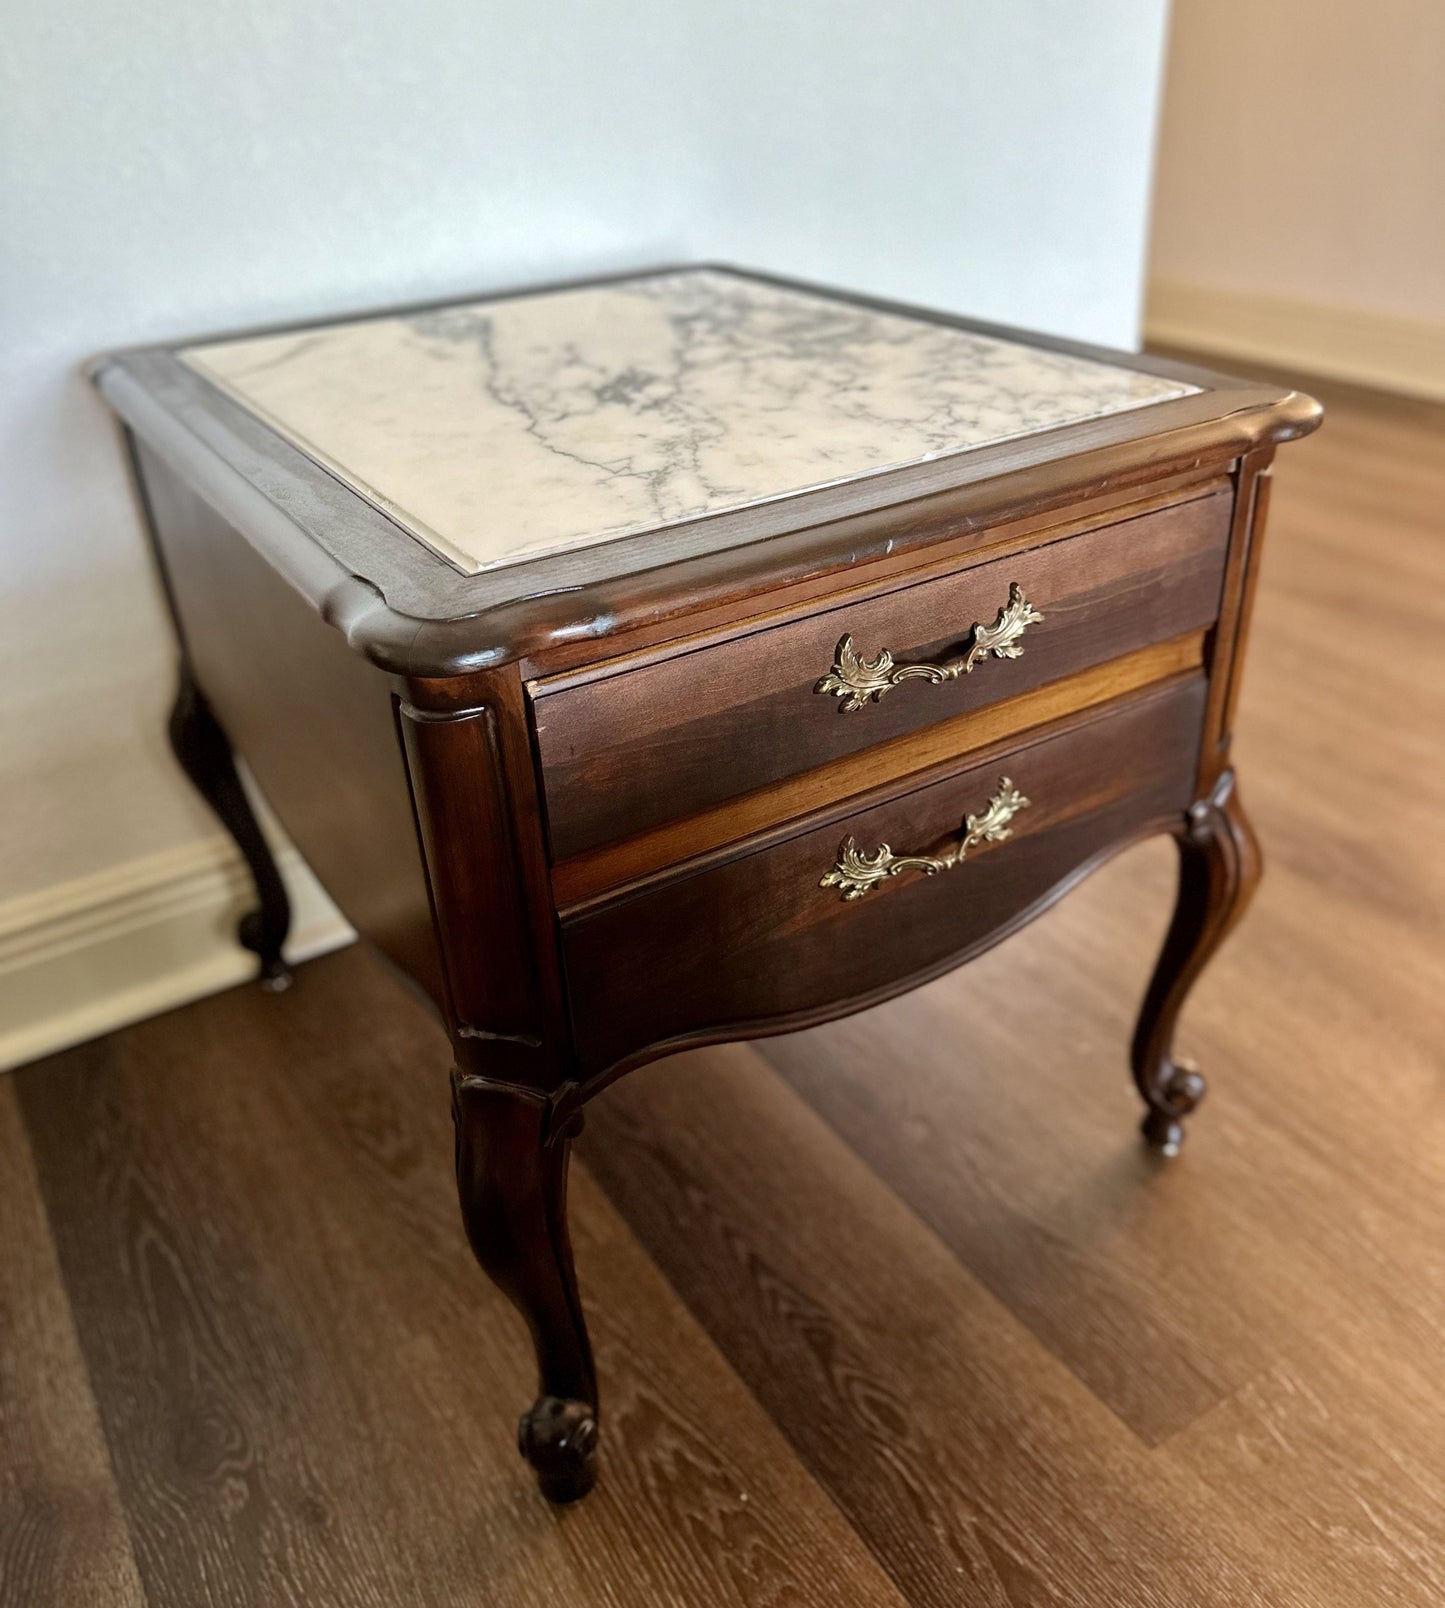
{"points": [[857, 872], [855, 679]]}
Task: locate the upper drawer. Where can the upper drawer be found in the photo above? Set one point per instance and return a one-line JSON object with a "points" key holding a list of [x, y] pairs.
{"points": [[630, 748]]}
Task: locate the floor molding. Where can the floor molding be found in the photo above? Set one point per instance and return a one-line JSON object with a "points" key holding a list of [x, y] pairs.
{"points": [[87, 956], [1374, 349]]}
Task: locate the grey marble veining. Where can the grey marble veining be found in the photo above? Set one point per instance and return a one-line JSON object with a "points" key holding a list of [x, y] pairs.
{"points": [[498, 431]]}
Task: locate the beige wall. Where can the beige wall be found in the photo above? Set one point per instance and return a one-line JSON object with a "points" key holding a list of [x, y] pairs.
{"points": [[1302, 161]]}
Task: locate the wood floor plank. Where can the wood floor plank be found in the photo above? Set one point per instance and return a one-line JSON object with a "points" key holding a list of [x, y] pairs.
{"points": [[1017, 1145], [1012, 1133], [1346, 1461], [309, 1387], [984, 1447], [977, 1468], [1163, 1288], [63, 1537]]}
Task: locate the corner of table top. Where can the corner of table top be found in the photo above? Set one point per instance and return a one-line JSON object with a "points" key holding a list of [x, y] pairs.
{"points": [[414, 615]]}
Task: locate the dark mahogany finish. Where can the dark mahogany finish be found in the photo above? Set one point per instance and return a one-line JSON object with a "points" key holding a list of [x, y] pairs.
{"points": [[750, 943], [512, 1178], [205, 755], [587, 801], [1219, 866], [629, 750]]}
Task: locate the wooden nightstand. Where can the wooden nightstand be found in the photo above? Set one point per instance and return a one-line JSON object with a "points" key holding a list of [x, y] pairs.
{"points": [[693, 656]]}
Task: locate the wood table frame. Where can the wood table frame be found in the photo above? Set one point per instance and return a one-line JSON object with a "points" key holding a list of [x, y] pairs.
{"points": [[387, 707]]}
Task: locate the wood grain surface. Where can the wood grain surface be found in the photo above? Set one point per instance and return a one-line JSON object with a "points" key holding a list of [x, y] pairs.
{"points": [[643, 970], [891, 1311], [905, 760], [310, 716], [301, 1373], [63, 1535], [623, 754]]}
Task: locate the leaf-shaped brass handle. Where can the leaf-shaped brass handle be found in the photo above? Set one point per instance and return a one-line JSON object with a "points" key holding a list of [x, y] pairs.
{"points": [[855, 679], [856, 871]]}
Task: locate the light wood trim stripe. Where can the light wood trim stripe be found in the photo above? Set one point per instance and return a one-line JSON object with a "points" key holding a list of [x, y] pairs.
{"points": [[583, 876]]}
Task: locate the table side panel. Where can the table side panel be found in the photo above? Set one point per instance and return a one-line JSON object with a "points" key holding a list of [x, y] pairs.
{"points": [[312, 719]]}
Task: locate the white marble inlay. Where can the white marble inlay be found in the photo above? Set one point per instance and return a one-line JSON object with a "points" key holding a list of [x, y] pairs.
{"points": [[497, 431]]}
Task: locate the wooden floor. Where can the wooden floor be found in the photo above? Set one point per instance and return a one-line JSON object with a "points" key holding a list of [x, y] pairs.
{"points": [[894, 1311]]}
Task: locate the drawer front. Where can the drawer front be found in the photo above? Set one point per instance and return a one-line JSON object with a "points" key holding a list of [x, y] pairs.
{"points": [[630, 750], [758, 937]]}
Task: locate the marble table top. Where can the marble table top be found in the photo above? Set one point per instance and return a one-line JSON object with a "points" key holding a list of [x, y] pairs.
{"points": [[498, 431]]}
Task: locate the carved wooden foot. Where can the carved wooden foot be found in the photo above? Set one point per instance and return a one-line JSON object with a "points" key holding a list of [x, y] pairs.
{"points": [[512, 1180], [1219, 866], [204, 753], [559, 1440]]}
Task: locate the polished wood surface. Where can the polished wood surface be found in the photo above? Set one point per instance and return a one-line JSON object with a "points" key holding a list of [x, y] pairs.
{"points": [[361, 683], [753, 942], [311, 718], [905, 760], [1219, 869], [203, 751], [1139, 537], [638, 746], [895, 1310]]}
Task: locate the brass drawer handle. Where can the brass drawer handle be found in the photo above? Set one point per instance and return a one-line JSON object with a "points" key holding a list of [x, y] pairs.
{"points": [[857, 872], [855, 679]]}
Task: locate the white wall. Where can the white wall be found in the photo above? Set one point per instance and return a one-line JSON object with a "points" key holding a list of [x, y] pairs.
{"points": [[172, 168], [1301, 181]]}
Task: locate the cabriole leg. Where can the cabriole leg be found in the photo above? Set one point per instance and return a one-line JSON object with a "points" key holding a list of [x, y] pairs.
{"points": [[205, 755], [1219, 866], [512, 1180]]}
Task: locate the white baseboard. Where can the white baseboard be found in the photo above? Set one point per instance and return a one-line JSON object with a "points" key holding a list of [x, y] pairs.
{"points": [[88, 956], [1374, 349]]}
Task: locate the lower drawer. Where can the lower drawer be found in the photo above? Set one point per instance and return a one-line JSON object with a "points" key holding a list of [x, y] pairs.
{"points": [[753, 938]]}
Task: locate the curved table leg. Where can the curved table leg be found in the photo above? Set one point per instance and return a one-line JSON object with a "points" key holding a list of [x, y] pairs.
{"points": [[1219, 866], [512, 1179], [205, 755]]}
